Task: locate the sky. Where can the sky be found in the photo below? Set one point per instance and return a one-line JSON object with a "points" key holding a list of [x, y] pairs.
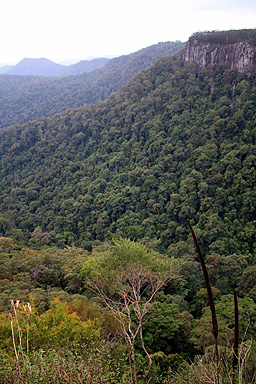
{"points": [[67, 31]]}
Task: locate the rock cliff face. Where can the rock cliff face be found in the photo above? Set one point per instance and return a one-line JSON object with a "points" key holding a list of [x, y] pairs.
{"points": [[240, 54]]}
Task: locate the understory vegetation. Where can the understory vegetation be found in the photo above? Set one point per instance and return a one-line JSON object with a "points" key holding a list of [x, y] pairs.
{"points": [[122, 308]]}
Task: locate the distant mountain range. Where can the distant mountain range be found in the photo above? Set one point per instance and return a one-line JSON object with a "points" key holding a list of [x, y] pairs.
{"points": [[45, 67], [24, 98]]}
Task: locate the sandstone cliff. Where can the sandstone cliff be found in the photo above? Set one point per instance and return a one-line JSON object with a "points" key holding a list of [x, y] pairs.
{"points": [[237, 49]]}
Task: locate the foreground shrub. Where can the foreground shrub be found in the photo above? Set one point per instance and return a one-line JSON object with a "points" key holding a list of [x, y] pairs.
{"points": [[92, 365], [24, 330]]}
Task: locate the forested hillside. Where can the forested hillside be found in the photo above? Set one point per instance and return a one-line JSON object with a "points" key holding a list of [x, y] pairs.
{"points": [[25, 98], [176, 143]]}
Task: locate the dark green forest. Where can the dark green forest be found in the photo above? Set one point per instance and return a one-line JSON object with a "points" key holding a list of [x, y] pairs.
{"points": [[25, 98], [176, 143]]}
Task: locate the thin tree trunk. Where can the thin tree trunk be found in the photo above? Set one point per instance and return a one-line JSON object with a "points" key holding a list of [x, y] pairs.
{"points": [[235, 357], [134, 365], [146, 380], [209, 290]]}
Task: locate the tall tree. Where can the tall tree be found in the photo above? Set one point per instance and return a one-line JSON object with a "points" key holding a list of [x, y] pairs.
{"points": [[126, 279]]}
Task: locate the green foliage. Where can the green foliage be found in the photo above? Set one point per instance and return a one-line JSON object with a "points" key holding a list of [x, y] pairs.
{"points": [[39, 274], [248, 282], [202, 336], [57, 327], [167, 328], [127, 267]]}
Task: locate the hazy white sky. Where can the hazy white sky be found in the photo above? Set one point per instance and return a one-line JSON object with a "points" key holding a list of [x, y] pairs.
{"points": [[63, 30]]}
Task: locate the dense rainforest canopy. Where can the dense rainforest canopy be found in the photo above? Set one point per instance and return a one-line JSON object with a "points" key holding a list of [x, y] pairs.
{"points": [[176, 142]]}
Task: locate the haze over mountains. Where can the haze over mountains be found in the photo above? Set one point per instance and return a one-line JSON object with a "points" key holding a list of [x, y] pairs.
{"points": [[45, 67]]}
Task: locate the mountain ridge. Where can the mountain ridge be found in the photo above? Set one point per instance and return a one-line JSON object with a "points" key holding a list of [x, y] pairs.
{"points": [[35, 67], [45, 67], [83, 66]]}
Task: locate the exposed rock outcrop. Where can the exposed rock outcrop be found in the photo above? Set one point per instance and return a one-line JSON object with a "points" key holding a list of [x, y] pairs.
{"points": [[226, 48]]}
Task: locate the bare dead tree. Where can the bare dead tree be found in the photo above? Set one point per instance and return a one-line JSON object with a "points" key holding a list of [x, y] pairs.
{"points": [[209, 290], [235, 356]]}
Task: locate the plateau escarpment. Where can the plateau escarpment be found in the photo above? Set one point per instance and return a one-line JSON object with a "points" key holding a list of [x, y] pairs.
{"points": [[236, 49]]}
